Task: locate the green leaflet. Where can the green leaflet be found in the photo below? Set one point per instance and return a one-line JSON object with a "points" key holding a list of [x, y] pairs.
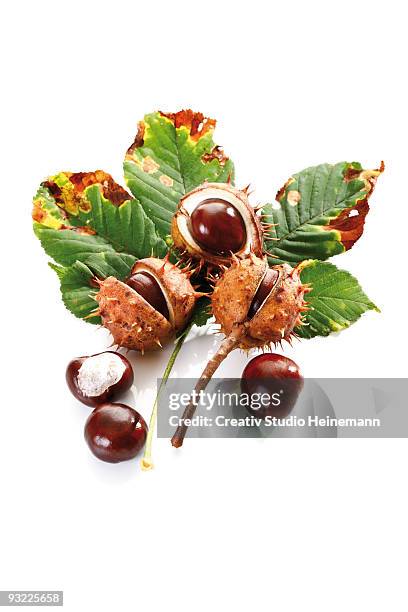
{"points": [[75, 218], [336, 300], [76, 290], [170, 156], [111, 264], [202, 312], [66, 246], [319, 212], [77, 280]]}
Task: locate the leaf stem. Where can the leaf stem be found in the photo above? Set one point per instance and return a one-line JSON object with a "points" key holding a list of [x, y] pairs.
{"points": [[146, 463]]}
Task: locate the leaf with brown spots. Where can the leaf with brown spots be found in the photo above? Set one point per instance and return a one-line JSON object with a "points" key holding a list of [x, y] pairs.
{"points": [[216, 153], [196, 123], [171, 154], [319, 212], [69, 189], [78, 215]]}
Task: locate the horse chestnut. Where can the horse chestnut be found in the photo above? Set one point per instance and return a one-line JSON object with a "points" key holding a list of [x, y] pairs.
{"points": [[96, 379], [115, 432], [264, 289], [276, 376], [147, 286], [150, 307], [214, 221], [218, 227]]}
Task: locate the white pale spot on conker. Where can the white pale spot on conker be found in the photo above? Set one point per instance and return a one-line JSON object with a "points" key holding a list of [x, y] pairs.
{"points": [[102, 441], [276, 205], [100, 372]]}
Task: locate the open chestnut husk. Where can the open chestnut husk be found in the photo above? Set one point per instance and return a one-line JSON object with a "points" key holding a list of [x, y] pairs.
{"points": [[150, 307], [115, 432], [256, 307], [215, 221], [95, 379], [261, 305], [275, 376]]}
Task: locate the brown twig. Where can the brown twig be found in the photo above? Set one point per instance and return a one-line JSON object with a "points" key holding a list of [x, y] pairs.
{"points": [[227, 345]]}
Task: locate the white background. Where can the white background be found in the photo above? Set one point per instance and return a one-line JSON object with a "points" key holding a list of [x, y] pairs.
{"points": [[285, 524]]}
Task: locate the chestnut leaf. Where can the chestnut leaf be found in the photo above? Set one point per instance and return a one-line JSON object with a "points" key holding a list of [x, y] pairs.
{"points": [[171, 154], [77, 281], [76, 290], [335, 301], [76, 216], [319, 212]]}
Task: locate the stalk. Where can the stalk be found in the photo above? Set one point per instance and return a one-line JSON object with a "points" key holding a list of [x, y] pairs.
{"points": [[146, 462], [227, 345]]}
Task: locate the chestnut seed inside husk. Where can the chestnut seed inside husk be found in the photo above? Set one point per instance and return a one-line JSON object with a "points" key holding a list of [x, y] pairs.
{"points": [[98, 378], [145, 285], [218, 227], [150, 307], [215, 221], [115, 432], [264, 289]]}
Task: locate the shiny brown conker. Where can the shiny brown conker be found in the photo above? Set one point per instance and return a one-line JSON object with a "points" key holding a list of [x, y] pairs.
{"points": [[264, 289], [218, 227], [276, 376], [145, 285], [95, 379], [115, 432]]}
